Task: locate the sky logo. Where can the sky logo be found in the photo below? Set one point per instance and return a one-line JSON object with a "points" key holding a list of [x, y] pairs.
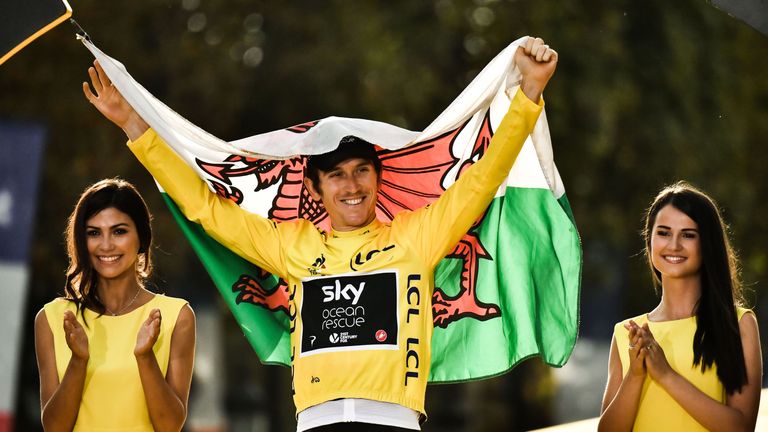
{"points": [[349, 292]]}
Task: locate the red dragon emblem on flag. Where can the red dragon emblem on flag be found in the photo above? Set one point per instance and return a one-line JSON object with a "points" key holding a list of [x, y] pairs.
{"points": [[412, 177]]}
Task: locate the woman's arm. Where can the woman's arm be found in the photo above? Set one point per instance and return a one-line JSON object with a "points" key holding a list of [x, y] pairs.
{"points": [[60, 402], [739, 413], [167, 396], [622, 393]]}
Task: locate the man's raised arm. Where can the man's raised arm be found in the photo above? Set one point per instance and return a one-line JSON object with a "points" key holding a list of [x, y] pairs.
{"points": [[251, 236], [537, 63], [440, 226], [112, 105]]}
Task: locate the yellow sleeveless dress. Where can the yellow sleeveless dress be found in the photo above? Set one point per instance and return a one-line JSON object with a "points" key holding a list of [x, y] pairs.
{"points": [[658, 411], [113, 398]]}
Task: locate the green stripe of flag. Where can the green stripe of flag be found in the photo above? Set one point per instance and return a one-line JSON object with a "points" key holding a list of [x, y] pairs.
{"points": [[267, 331], [534, 277]]}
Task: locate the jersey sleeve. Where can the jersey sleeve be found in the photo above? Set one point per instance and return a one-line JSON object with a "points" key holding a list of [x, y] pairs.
{"points": [[437, 228], [253, 237]]}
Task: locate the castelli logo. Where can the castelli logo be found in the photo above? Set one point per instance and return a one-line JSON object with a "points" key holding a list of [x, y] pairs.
{"points": [[381, 335]]}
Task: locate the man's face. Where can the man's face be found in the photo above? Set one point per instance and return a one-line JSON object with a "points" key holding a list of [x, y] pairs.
{"points": [[348, 193]]}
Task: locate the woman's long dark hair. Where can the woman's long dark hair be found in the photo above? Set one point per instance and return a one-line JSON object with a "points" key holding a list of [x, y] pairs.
{"points": [[82, 279], [717, 339]]}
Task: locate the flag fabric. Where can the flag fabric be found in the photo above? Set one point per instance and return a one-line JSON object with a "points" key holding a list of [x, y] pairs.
{"points": [[23, 21], [508, 291]]}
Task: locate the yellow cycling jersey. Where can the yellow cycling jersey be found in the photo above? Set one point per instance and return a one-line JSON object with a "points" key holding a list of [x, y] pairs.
{"points": [[360, 301]]}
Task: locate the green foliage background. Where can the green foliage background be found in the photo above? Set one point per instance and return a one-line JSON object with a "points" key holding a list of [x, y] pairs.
{"points": [[646, 93]]}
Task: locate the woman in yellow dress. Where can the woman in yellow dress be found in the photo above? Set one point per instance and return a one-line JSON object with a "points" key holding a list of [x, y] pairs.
{"points": [[112, 355], [694, 362]]}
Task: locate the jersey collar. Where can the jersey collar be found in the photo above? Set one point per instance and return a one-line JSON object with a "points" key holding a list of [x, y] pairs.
{"points": [[371, 227]]}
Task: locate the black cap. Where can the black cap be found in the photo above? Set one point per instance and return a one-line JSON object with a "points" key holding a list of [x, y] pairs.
{"points": [[350, 147]]}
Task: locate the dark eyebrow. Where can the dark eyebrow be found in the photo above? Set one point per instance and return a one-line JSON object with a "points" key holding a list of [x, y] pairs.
{"points": [[363, 162], [112, 227], [684, 229]]}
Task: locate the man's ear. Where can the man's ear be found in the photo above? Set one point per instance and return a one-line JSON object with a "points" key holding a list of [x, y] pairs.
{"points": [[314, 193]]}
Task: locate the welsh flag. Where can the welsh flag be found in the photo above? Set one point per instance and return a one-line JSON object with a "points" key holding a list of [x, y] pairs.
{"points": [[508, 291]]}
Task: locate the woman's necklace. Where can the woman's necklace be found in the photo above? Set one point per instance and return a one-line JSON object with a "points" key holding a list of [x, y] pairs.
{"points": [[126, 306]]}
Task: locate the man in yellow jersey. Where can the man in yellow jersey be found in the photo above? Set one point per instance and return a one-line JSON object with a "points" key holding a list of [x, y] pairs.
{"points": [[361, 316]]}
